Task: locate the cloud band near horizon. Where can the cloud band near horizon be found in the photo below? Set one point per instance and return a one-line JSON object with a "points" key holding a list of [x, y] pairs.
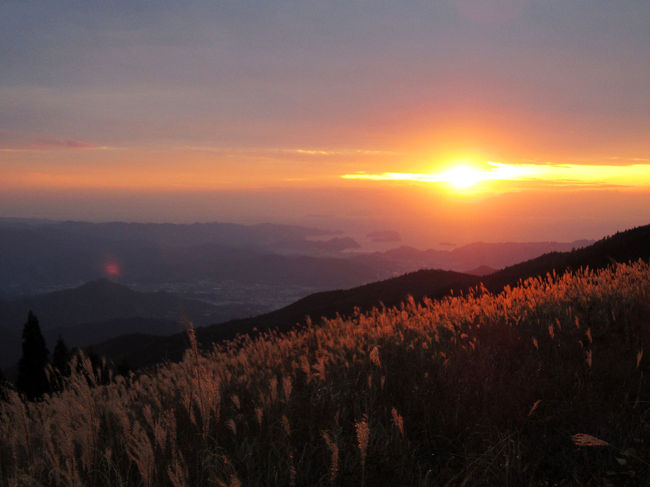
{"points": [[465, 176]]}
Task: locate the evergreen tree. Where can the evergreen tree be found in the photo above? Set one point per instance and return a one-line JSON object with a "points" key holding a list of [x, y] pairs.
{"points": [[60, 365], [61, 357], [32, 379]]}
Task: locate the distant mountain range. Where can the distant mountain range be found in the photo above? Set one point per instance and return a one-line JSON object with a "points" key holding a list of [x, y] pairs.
{"points": [[625, 246], [101, 300], [467, 257], [482, 270], [100, 310], [39, 256], [222, 271]]}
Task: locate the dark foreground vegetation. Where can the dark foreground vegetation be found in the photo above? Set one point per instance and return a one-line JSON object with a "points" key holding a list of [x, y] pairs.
{"points": [[542, 384]]}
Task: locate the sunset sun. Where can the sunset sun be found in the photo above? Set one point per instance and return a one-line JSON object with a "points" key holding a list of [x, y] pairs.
{"points": [[462, 176]]}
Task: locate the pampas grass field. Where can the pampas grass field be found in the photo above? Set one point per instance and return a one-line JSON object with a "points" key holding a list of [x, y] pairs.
{"points": [[542, 384]]}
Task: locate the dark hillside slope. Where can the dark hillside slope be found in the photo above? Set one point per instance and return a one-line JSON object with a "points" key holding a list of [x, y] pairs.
{"points": [[98, 311], [624, 246], [139, 349], [390, 292], [101, 300]]}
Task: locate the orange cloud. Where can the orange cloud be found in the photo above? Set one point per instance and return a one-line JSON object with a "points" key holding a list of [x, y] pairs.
{"points": [[465, 176]]}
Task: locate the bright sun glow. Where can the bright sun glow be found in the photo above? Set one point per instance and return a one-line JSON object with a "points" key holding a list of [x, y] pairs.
{"points": [[462, 177]]}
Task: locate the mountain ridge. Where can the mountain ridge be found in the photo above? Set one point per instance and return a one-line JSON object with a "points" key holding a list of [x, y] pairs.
{"points": [[623, 246], [99, 310]]}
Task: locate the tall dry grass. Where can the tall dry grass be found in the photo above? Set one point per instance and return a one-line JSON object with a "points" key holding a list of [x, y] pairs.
{"points": [[479, 389]]}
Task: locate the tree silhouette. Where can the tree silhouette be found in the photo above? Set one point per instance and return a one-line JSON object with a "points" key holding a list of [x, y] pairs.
{"points": [[61, 364], [32, 380], [61, 357]]}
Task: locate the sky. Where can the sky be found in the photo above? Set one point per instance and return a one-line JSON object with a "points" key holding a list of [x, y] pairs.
{"points": [[352, 114]]}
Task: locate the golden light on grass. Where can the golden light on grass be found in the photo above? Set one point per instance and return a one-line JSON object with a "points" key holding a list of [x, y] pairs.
{"points": [[363, 435], [583, 439], [334, 452], [153, 428]]}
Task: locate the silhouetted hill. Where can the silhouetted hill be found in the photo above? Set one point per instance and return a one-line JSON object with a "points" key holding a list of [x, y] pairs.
{"points": [[101, 300], [495, 255], [499, 255], [99, 310], [481, 271], [624, 246], [142, 349], [85, 334], [88, 333]]}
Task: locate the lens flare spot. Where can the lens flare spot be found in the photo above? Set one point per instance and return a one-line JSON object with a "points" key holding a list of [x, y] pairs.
{"points": [[112, 269]]}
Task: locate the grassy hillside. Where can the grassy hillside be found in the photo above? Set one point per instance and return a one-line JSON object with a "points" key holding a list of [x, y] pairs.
{"points": [[140, 350], [542, 384]]}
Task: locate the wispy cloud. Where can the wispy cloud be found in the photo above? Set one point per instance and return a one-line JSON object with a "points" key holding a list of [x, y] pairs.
{"points": [[12, 142], [65, 144], [319, 152], [629, 159], [339, 152]]}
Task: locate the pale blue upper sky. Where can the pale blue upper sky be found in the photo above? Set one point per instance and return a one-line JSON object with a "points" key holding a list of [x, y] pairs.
{"points": [[315, 73]]}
